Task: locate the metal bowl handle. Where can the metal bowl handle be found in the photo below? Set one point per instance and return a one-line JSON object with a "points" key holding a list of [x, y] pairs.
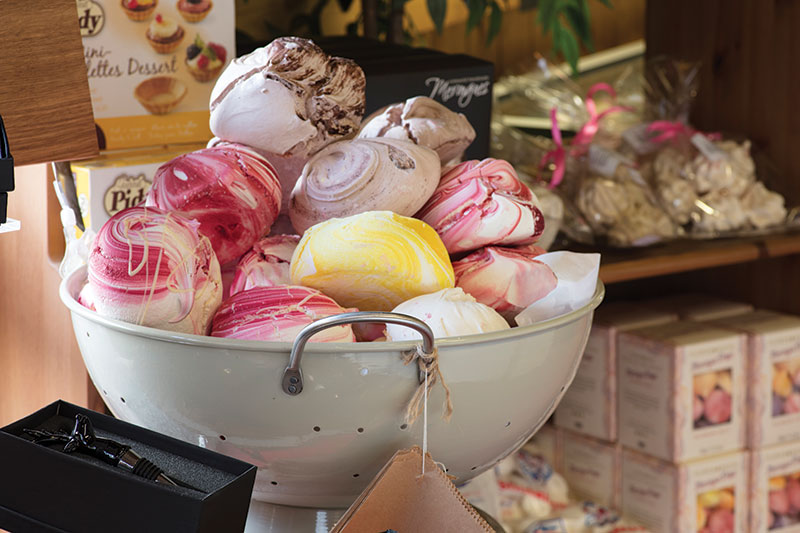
{"points": [[292, 382]]}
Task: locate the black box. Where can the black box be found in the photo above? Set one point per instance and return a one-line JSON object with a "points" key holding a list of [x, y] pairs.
{"points": [[395, 72], [43, 489]]}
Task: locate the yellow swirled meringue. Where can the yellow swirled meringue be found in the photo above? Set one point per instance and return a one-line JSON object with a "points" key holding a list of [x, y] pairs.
{"points": [[350, 177], [373, 261]]}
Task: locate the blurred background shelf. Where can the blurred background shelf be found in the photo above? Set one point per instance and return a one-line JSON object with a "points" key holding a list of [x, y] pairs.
{"points": [[690, 255]]}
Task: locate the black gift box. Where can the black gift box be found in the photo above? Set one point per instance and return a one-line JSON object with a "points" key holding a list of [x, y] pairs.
{"points": [[44, 489], [394, 73]]}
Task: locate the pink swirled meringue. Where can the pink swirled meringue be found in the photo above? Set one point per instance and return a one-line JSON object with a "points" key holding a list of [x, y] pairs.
{"points": [[231, 190], [278, 314], [351, 177], [506, 279], [287, 167], [479, 203], [154, 268], [288, 98], [425, 122], [266, 264]]}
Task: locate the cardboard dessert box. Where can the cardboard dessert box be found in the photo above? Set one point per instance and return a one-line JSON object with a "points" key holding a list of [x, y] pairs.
{"points": [[117, 181], [591, 468], [681, 390], [775, 489], [699, 307], [705, 495], [148, 89], [590, 404], [773, 375]]}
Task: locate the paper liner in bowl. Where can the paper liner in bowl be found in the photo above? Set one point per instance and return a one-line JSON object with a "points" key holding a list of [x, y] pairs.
{"points": [[161, 94], [193, 17]]}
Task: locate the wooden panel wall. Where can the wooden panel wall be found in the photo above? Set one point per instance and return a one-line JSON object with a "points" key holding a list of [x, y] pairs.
{"points": [[749, 84], [39, 357]]}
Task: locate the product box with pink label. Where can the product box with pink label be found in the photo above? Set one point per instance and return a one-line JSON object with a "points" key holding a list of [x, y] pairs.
{"points": [[709, 495], [590, 404], [775, 489], [592, 468], [773, 375], [681, 390]]}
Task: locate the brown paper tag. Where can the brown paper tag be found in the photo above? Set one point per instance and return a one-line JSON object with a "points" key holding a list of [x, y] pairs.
{"points": [[402, 499]]}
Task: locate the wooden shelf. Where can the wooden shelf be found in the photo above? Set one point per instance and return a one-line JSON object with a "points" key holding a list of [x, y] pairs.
{"points": [[687, 255]]}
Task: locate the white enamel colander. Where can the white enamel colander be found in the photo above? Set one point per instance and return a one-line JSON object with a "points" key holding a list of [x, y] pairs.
{"points": [[320, 431]]}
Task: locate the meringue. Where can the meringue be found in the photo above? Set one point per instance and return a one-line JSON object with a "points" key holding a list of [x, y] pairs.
{"points": [[425, 122], [449, 313], [506, 279], [154, 268], [351, 177], [288, 98], [266, 264], [372, 261], [479, 203], [231, 190], [278, 314]]}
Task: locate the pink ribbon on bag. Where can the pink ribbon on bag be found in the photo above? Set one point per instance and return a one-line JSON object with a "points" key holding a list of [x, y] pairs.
{"points": [[667, 130], [558, 156], [584, 137]]}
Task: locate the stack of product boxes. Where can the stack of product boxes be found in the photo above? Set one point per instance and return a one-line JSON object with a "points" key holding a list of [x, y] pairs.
{"points": [[685, 415], [151, 67]]}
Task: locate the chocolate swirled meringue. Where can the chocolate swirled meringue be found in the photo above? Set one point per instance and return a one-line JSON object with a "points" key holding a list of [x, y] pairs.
{"points": [[154, 268], [425, 122], [288, 98], [351, 177]]}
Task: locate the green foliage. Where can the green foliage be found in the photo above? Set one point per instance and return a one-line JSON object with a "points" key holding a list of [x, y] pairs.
{"points": [[437, 10]]}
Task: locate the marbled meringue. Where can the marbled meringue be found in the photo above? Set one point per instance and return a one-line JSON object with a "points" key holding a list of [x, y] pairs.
{"points": [[278, 314], [449, 313], [266, 264], [351, 177], [425, 122], [288, 98], [506, 279], [231, 190], [154, 268], [372, 261], [479, 203]]}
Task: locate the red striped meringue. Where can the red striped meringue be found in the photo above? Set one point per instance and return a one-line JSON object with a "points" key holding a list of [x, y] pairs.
{"points": [[231, 190], [153, 268], [266, 264], [479, 203], [278, 314], [506, 279]]}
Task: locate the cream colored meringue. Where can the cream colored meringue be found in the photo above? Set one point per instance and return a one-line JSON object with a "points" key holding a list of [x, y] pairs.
{"points": [[287, 98], [425, 122], [449, 313], [359, 175]]}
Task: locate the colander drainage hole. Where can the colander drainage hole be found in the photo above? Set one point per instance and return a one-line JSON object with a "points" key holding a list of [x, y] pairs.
{"points": [[355, 475], [474, 468], [122, 399], [508, 423], [87, 333], [360, 430], [104, 392], [316, 428], [403, 426], [222, 437], [274, 482]]}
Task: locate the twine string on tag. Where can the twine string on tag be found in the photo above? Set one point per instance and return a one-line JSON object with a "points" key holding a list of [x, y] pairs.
{"points": [[425, 425], [429, 366]]}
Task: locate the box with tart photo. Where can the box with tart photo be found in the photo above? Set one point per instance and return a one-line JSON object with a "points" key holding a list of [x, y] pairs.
{"points": [[151, 66]]}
